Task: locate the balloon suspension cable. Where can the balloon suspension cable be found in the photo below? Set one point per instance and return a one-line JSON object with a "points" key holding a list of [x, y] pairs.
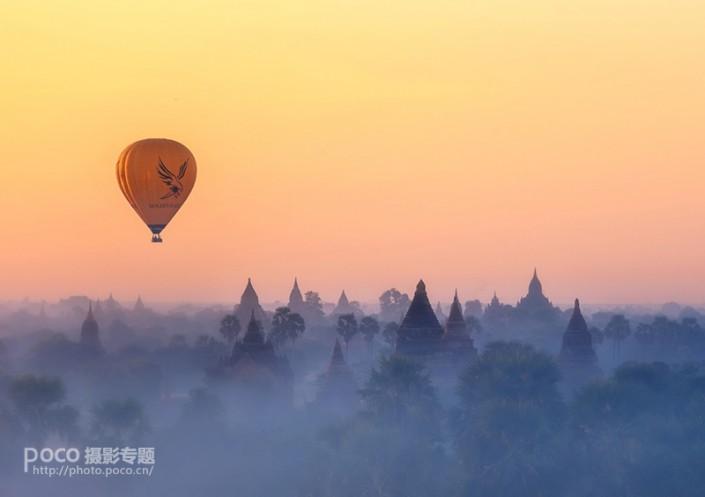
{"points": [[156, 238]]}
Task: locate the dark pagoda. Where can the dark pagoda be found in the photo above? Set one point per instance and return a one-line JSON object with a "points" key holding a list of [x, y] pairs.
{"points": [[577, 358], [343, 306], [255, 365], [535, 304], [456, 338], [296, 300], [90, 333], [420, 333], [338, 389]]}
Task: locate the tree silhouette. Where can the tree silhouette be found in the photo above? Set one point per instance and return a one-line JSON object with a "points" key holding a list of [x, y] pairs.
{"points": [[617, 330], [286, 325], [230, 329], [393, 304], [347, 328], [313, 305], [38, 402], [389, 334], [369, 327], [510, 422], [473, 308], [118, 422], [204, 412], [400, 393]]}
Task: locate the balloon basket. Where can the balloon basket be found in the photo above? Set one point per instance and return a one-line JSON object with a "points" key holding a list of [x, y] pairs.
{"points": [[157, 239]]}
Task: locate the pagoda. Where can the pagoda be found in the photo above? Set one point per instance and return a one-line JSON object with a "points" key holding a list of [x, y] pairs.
{"points": [[255, 364], [440, 315], [338, 389], [456, 339], [90, 333], [419, 333], [296, 300], [250, 306], [535, 304], [343, 306], [577, 358]]}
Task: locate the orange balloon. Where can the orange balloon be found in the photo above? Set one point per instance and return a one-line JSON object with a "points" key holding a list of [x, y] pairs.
{"points": [[156, 176]]}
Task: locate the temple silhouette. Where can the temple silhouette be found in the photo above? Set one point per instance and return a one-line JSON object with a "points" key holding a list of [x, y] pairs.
{"points": [[296, 300], [577, 358], [421, 336], [90, 332], [255, 367], [249, 306], [338, 389], [535, 305]]}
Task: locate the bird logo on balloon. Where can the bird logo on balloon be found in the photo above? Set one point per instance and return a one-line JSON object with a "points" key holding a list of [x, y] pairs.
{"points": [[171, 180]]}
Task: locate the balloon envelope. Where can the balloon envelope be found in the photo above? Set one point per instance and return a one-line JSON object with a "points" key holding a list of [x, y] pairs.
{"points": [[156, 176]]}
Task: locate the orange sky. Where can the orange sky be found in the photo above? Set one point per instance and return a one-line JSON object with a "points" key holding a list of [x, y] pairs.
{"points": [[359, 145]]}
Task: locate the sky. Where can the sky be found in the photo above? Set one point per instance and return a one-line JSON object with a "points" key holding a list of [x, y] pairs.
{"points": [[359, 146]]}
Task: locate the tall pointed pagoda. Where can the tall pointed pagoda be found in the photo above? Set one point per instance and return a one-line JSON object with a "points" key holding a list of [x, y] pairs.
{"points": [[440, 315], [343, 306], [249, 305], [111, 304], [338, 388], [296, 299], [420, 333], [90, 333], [139, 305], [255, 364], [577, 357], [456, 338]]}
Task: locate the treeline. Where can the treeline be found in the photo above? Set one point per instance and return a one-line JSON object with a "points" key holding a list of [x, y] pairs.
{"points": [[639, 432]]}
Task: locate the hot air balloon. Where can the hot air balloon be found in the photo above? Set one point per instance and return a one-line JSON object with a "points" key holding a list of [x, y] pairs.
{"points": [[156, 176]]}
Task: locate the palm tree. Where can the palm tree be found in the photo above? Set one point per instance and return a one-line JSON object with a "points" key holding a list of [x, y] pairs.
{"points": [[286, 325], [347, 329], [369, 327], [230, 329], [618, 329]]}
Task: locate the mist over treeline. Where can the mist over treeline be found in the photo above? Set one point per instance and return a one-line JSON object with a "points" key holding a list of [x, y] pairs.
{"points": [[315, 399]]}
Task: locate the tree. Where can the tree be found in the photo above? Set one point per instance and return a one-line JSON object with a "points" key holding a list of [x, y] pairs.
{"points": [[207, 350], [38, 401], [347, 328], [204, 412], [473, 308], [644, 334], [389, 334], [393, 304], [286, 325], [177, 341], [617, 330], [119, 422], [230, 329], [473, 324], [369, 327], [314, 306], [510, 421], [598, 336], [400, 393]]}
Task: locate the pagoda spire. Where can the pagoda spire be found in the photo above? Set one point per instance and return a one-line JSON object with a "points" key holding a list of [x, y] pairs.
{"points": [[254, 334]]}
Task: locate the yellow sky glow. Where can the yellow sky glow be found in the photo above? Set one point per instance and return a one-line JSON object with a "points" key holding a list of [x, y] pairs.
{"points": [[359, 145]]}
